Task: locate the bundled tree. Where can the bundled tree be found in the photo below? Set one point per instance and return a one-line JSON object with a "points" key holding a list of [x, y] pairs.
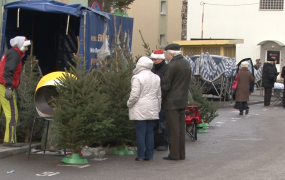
{"points": [[80, 110], [25, 99], [207, 108]]}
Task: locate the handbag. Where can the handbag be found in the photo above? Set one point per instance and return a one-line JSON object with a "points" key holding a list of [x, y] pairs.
{"points": [[235, 83]]}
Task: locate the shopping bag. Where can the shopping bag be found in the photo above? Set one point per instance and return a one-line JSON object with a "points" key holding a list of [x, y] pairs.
{"points": [[234, 85]]}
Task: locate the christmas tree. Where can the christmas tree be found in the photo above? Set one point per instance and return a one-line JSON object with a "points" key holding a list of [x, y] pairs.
{"points": [[115, 80], [208, 110], [80, 110], [25, 99]]}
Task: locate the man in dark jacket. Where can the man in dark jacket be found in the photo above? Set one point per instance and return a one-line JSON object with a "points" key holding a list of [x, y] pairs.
{"points": [[174, 87], [159, 66], [10, 73], [283, 76], [269, 75]]}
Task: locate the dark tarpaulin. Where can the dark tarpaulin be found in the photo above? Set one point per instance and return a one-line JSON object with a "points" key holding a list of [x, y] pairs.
{"points": [[52, 7], [94, 34], [45, 22]]}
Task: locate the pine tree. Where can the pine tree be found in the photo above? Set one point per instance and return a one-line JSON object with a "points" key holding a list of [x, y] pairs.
{"points": [[208, 110], [80, 110], [116, 85], [25, 99], [115, 78]]}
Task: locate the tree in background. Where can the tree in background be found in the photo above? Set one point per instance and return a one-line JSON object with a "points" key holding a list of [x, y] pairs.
{"points": [[184, 14], [108, 5], [81, 109]]}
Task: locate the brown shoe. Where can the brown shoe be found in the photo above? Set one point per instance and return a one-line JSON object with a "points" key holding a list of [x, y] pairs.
{"points": [[269, 106]]}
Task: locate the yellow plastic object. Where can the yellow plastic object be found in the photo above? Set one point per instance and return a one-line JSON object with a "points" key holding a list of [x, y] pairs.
{"points": [[42, 107]]}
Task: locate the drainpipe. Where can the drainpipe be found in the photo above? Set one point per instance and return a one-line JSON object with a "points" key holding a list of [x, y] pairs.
{"points": [[84, 35], [67, 24], [18, 18], [1, 35]]}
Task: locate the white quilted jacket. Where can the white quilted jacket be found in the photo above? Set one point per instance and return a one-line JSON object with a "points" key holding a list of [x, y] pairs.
{"points": [[145, 98]]}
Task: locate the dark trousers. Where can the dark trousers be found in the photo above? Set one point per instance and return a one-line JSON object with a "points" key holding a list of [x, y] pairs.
{"points": [[162, 124], [283, 101], [267, 96], [175, 127]]}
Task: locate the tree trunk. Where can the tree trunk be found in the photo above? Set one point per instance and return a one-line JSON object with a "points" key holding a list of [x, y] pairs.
{"points": [[184, 13], [27, 137]]}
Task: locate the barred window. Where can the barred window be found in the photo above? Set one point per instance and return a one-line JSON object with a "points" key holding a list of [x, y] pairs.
{"points": [[271, 4]]}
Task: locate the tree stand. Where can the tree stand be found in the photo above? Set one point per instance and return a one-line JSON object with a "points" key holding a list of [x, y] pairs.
{"points": [[123, 150], [74, 158], [201, 127]]}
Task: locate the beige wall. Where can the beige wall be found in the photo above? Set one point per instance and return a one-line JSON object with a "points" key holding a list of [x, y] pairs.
{"points": [[148, 20], [174, 26]]}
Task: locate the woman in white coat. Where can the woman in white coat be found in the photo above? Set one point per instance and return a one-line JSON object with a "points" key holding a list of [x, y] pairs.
{"points": [[144, 106]]}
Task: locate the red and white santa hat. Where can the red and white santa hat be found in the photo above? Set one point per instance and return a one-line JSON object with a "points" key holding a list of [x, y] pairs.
{"points": [[27, 42], [157, 54], [20, 41]]}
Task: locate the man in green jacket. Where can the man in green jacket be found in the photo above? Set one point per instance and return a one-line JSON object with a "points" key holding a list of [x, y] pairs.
{"points": [[174, 86]]}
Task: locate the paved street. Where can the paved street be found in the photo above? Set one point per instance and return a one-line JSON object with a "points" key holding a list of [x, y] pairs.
{"points": [[236, 147]]}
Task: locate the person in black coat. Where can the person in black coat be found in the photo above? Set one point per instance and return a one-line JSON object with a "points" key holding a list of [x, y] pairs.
{"points": [[283, 76], [174, 86], [159, 66], [269, 75]]}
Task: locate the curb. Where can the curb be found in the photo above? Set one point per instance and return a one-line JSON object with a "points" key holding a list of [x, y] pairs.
{"points": [[15, 150]]}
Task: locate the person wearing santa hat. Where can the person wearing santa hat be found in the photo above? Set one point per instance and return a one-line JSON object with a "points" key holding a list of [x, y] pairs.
{"points": [[159, 66], [174, 86], [10, 73]]}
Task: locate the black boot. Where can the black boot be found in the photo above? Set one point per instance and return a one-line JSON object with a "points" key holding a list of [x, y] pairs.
{"points": [[246, 111], [162, 148], [12, 144], [241, 113]]}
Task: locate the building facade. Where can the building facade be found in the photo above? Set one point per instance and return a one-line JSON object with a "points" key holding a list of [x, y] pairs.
{"points": [[258, 22], [159, 22]]}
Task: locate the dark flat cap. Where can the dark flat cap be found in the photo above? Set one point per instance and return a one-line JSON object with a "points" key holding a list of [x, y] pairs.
{"points": [[175, 47], [271, 59]]}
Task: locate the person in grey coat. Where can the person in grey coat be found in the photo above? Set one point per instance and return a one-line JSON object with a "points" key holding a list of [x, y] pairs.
{"points": [[174, 86]]}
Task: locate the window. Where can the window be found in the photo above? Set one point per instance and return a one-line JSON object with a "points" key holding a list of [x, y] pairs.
{"points": [[271, 4], [162, 41], [163, 8]]}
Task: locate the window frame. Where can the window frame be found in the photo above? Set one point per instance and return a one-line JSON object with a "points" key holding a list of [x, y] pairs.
{"points": [[163, 8], [268, 5]]}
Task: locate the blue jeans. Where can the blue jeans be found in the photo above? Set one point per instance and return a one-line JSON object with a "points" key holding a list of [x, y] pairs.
{"points": [[162, 124], [145, 138]]}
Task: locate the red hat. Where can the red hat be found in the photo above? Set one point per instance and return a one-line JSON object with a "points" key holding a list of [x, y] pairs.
{"points": [[157, 54]]}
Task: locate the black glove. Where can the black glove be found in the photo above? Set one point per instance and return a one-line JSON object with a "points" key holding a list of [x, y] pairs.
{"points": [[8, 93]]}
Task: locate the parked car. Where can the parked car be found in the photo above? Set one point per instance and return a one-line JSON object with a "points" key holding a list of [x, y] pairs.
{"points": [[215, 88]]}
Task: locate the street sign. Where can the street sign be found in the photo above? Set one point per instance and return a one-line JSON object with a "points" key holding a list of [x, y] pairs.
{"points": [[96, 6]]}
